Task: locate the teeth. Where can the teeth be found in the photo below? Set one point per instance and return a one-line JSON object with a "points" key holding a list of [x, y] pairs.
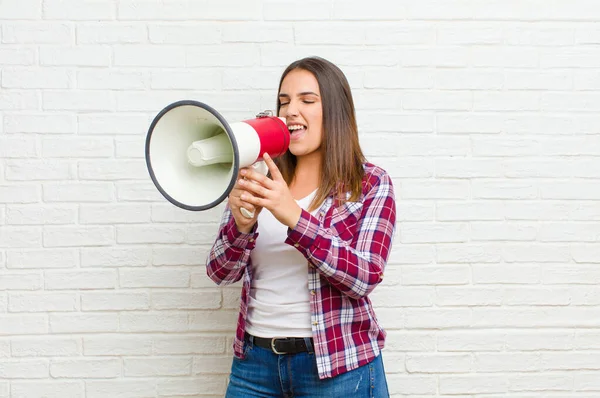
{"points": [[295, 127]]}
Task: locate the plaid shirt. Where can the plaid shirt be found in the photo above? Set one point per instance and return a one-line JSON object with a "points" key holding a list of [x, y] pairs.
{"points": [[347, 248]]}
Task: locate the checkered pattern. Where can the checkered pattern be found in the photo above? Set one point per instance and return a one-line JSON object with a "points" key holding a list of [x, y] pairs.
{"points": [[347, 248]]}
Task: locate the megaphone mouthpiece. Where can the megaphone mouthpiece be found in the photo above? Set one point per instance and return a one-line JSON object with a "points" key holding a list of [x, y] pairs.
{"points": [[209, 151]]}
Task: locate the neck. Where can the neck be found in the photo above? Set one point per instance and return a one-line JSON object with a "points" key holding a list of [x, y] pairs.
{"points": [[309, 164], [307, 176]]}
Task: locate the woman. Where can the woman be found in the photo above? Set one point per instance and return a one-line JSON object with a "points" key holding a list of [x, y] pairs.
{"points": [[316, 247]]}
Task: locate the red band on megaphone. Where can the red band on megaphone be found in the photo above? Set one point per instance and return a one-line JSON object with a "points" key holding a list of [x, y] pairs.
{"points": [[273, 134]]}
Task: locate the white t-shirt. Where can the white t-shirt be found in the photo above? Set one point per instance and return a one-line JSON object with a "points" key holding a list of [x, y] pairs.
{"points": [[279, 304]]}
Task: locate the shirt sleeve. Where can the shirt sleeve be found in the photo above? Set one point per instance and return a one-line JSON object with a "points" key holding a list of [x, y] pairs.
{"points": [[355, 267], [230, 254]]}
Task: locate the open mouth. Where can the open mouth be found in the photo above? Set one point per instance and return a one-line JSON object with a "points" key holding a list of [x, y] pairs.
{"points": [[296, 129]]}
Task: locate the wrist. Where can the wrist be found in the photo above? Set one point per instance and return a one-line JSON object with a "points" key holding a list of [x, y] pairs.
{"points": [[245, 229], [294, 217]]}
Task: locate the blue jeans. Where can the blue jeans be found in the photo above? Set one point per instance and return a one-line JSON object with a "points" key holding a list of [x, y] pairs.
{"points": [[263, 374]]}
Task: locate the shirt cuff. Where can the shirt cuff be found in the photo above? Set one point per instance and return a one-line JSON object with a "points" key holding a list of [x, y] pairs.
{"points": [[304, 234], [239, 239]]}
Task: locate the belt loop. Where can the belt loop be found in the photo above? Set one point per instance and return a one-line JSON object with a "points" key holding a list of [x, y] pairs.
{"points": [[309, 346], [250, 340]]}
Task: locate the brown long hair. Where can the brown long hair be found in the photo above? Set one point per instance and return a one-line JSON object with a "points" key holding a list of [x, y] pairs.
{"points": [[342, 158]]}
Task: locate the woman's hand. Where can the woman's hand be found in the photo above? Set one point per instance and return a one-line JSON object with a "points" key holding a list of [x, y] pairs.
{"points": [[236, 204], [272, 194]]}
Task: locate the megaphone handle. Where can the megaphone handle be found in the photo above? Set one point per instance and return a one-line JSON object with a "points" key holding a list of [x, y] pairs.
{"points": [[262, 168], [246, 213]]}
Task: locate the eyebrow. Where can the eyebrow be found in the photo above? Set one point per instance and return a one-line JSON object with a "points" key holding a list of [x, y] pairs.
{"points": [[299, 94]]}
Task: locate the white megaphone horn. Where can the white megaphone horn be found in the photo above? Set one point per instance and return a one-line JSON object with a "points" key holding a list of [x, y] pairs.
{"points": [[194, 155]]}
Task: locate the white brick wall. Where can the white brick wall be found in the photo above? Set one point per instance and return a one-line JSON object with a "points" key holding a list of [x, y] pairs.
{"points": [[483, 111]]}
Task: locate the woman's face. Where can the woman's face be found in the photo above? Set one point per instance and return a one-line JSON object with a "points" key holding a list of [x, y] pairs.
{"points": [[302, 108]]}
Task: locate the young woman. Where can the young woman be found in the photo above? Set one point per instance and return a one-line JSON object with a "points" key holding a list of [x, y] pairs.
{"points": [[316, 247]]}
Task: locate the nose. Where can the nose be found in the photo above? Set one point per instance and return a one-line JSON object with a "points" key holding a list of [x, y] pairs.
{"points": [[291, 109]]}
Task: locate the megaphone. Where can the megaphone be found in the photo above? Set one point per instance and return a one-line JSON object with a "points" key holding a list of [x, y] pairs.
{"points": [[193, 154]]}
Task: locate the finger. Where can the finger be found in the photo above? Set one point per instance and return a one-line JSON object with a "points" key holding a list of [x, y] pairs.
{"points": [[256, 201], [275, 173], [253, 187], [258, 178], [238, 203]]}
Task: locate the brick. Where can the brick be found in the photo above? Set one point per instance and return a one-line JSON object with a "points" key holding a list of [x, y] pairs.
{"points": [[77, 147], [166, 212], [439, 363], [184, 344], [117, 345], [49, 346], [43, 302], [24, 369], [19, 193], [116, 256], [70, 236], [80, 280], [78, 100], [143, 55], [23, 324], [36, 170], [85, 368], [128, 147], [311, 10], [29, 215], [112, 170], [213, 321], [39, 123], [120, 388], [110, 33], [20, 237], [84, 323], [75, 56], [114, 301], [207, 384], [153, 322], [114, 214], [20, 281], [145, 277], [196, 300], [473, 384], [155, 234], [407, 33], [38, 78], [435, 275], [14, 9], [470, 341], [533, 382], [16, 100], [196, 79], [21, 55], [507, 274], [78, 192], [102, 79], [412, 384], [540, 340], [205, 33], [74, 10], [51, 389], [257, 32], [42, 258], [17, 147], [434, 232], [188, 11], [157, 366], [114, 124]]}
